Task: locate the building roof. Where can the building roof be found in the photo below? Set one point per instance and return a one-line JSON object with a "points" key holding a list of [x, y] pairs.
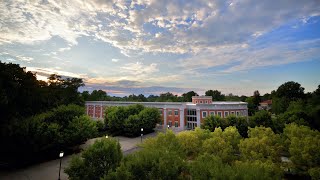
{"points": [[266, 102], [170, 103]]}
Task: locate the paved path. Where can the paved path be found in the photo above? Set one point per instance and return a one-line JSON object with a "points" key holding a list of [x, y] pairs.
{"points": [[50, 170]]}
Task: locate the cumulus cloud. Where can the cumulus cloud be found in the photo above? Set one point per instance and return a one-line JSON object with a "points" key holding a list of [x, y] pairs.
{"points": [[206, 34]]}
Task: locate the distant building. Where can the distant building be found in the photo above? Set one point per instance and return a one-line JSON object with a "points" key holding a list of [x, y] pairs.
{"points": [[180, 115], [265, 105]]}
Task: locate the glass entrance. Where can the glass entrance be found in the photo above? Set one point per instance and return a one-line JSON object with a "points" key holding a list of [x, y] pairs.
{"points": [[191, 118]]}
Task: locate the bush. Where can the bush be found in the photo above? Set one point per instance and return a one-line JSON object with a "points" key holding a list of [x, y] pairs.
{"points": [[96, 161]]}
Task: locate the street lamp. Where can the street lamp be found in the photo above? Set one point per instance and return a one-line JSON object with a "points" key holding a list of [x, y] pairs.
{"points": [[168, 126], [60, 155], [107, 136], [141, 134]]}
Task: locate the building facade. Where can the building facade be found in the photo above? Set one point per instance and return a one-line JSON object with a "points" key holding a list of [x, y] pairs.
{"points": [[181, 115]]}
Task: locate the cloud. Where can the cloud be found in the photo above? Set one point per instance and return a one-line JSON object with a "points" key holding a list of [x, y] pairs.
{"points": [[46, 72], [64, 49], [146, 90], [191, 37], [174, 26]]}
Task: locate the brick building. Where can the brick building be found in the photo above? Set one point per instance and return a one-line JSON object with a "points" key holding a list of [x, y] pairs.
{"points": [[181, 115]]}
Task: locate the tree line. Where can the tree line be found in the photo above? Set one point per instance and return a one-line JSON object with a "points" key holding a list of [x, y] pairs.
{"points": [[205, 154], [100, 95], [38, 119]]}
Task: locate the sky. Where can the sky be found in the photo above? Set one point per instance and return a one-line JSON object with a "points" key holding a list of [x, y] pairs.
{"points": [[156, 46]]}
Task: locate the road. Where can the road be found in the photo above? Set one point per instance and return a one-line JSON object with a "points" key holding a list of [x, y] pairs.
{"points": [[50, 170]]}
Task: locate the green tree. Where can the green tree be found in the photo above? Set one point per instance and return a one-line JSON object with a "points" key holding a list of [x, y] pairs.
{"points": [[128, 120], [212, 167], [219, 147], [212, 122], [189, 142], [98, 95], [262, 144], [262, 118], [256, 99], [96, 161], [287, 92], [216, 95], [291, 91], [187, 97], [240, 122], [251, 106], [303, 145]]}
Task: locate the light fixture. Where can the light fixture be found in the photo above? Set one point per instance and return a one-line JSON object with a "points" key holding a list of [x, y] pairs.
{"points": [[61, 154]]}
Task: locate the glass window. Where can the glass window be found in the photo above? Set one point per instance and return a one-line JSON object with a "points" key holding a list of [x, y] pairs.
{"points": [[176, 124], [220, 114], [232, 112], [212, 113], [196, 102], [170, 123], [206, 102], [176, 112], [238, 113], [226, 114], [170, 112], [160, 111], [204, 114], [200, 102]]}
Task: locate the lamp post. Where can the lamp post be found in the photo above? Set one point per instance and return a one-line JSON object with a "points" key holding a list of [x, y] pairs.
{"points": [[168, 126], [107, 136], [60, 155], [141, 134]]}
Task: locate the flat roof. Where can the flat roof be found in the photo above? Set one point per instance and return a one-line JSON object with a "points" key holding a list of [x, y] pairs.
{"points": [[171, 103]]}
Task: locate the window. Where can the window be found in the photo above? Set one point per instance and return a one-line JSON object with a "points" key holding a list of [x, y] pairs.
{"points": [[196, 102], [191, 112], [170, 123], [176, 124], [212, 113], [200, 102], [176, 112], [238, 113], [226, 113], [220, 114], [232, 112], [204, 114], [160, 111], [206, 102], [170, 112]]}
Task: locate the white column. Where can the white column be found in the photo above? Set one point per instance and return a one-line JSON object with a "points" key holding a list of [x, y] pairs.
{"points": [[94, 111], [181, 119], [101, 111], [87, 108], [198, 117], [165, 117]]}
